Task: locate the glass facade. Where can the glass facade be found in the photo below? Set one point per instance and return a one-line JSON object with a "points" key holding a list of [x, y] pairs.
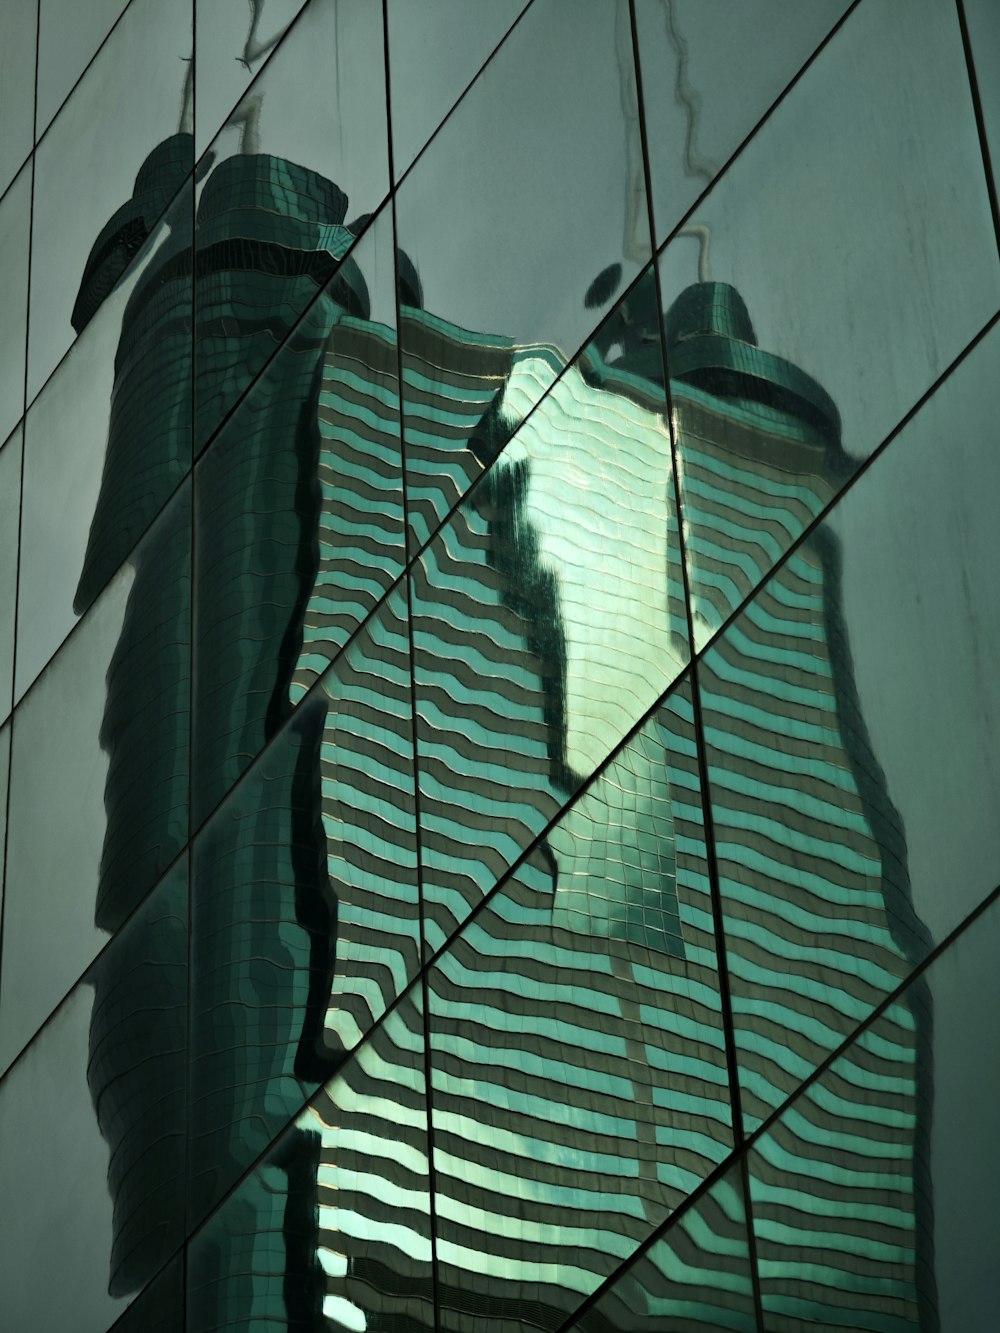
{"points": [[499, 644]]}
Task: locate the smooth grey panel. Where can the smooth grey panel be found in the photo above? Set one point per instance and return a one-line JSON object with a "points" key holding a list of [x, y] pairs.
{"points": [[127, 380], [235, 39], [983, 18], [856, 225], [57, 825], [91, 1120], [46, 1116], [435, 49], [10, 509], [15, 224], [922, 610], [4, 774], [98, 794], [68, 35], [86, 166], [709, 72], [964, 987], [19, 22], [320, 101]]}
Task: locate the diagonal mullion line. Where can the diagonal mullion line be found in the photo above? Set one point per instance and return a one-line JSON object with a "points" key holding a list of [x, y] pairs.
{"points": [[37, 138], [721, 959], [304, 313], [708, 817], [20, 524], [698, 655], [189, 179], [409, 990], [387, 200], [424, 993], [636, 727], [689, 672], [977, 104], [741, 1155], [193, 176]]}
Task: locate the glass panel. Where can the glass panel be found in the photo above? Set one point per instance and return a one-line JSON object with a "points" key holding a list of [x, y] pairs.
{"points": [[92, 1122], [106, 443], [551, 226], [580, 1077], [334, 1224], [68, 35], [874, 1195], [99, 793], [983, 19], [709, 72], [160, 1308], [10, 515], [695, 1279], [15, 220], [840, 289], [235, 39], [17, 85], [435, 50], [306, 146], [118, 127], [306, 904], [360, 466], [4, 775], [848, 838], [299, 520], [548, 612]]}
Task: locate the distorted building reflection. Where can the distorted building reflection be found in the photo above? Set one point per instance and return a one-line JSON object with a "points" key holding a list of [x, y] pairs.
{"points": [[579, 1082]]}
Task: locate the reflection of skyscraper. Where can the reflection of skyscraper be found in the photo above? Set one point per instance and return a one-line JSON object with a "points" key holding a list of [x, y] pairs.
{"points": [[593, 973]]}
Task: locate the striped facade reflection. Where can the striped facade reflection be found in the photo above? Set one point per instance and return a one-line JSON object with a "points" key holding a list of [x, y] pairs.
{"points": [[812, 855], [376, 744], [580, 1080]]}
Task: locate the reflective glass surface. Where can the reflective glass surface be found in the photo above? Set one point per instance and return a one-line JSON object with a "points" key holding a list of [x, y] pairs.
{"points": [[498, 725], [96, 1107], [293, 164], [332, 1228], [160, 1307], [102, 738], [17, 84], [708, 77], [579, 1067], [235, 40], [983, 19], [849, 839], [839, 288], [695, 1279], [15, 220], [435, 50], [108, 440], [873, 1193], [109, 165], [4, 775], [545, 225], [548, 612], [299, 527], [10, 512], [306, 917], [69, 33]]}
